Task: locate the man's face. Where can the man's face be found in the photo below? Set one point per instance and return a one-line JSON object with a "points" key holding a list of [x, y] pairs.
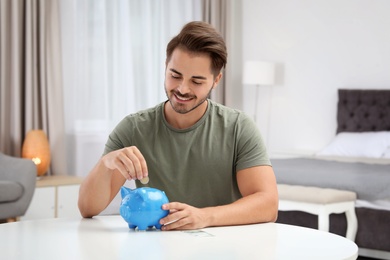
{"points": [[188, 80]]}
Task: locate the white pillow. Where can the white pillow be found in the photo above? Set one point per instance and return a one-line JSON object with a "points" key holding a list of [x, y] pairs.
{"points": [[386, 153], [366, 144]]}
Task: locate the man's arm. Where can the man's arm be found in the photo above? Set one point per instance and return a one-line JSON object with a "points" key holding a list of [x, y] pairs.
{"points": [[258, 204], [104, 181]]}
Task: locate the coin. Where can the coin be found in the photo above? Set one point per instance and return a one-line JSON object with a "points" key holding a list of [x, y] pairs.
{"points": [[145, 180]]}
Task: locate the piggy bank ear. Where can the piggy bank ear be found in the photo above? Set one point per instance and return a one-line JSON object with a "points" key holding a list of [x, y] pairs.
{"points": [[125, 191]]}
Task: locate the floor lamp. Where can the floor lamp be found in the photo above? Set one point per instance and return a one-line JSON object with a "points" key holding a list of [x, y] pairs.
{"points": [[260, 73]]}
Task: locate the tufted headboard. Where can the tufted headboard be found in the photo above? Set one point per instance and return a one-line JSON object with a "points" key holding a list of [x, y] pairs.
{"points": [[363, 110]]}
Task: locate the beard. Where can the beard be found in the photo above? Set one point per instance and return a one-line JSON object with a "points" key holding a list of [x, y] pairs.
{"points": [[183, 108]]}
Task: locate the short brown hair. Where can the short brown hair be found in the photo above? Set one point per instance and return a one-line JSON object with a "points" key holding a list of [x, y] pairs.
{"points": [[201, 37]]}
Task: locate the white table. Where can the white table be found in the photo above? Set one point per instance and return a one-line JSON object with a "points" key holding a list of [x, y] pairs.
{"points": [[108, 237]]}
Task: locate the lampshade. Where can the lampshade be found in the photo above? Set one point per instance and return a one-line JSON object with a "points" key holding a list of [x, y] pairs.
{"points": [[259, 73], [36, 147]]}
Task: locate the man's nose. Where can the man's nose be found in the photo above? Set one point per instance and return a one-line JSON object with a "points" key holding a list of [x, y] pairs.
{"points": [[183, 88]]}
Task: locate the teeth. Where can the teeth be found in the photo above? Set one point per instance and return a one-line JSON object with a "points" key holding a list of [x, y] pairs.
{"points": [[182, 98]]}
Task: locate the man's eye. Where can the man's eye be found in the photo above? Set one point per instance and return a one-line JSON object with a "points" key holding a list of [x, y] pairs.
{"points": [[175, 76], [197, 83]]}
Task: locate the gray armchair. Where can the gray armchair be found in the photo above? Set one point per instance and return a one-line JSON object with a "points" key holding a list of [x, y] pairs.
{"points": [[17, 185]]}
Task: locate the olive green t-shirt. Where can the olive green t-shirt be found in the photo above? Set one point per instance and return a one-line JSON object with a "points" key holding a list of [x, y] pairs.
{"points": [[196, 165]]}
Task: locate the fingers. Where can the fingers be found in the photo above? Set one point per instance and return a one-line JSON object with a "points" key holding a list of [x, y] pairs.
{"points": [[173, 214], [180, 217], [128, 161], [135, 163], [173, 206]]}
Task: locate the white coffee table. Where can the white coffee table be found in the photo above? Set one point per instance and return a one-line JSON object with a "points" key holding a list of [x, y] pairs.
{"points": [[108, 237]]}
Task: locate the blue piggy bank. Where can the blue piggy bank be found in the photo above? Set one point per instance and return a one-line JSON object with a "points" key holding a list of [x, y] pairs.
{"points": [[142, 207]]}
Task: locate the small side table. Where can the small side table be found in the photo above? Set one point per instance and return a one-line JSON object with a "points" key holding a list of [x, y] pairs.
{"points": [[54, 197]]}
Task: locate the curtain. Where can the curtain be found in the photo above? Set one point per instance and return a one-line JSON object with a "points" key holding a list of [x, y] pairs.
{"points": [[31, 77], [215, 13], [225, 16], [114, 64]]}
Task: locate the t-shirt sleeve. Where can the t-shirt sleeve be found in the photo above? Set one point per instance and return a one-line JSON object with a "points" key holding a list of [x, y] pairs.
{"points": [[251, 150], [117, 138]]}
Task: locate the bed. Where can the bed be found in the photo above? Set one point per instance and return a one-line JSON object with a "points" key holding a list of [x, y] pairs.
{"points": [[357, 159]]}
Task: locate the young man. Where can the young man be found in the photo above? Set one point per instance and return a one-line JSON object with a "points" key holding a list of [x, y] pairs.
{"points": [[209, 159]]}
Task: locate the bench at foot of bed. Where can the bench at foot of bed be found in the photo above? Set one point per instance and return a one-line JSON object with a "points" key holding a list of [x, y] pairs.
{"points": [[321, 202]]}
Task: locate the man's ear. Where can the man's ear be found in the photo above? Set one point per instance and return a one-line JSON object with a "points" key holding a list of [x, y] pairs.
{"points": [[217, 79]]}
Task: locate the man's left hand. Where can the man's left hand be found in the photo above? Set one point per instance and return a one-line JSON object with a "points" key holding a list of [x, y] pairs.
{"points": [[183, 217]]}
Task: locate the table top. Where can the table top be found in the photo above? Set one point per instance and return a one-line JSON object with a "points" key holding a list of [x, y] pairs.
{"points": [[108, 237], [58, 180]]}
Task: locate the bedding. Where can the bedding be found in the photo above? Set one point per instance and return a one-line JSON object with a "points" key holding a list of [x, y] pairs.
{"points": [[357, 159], [366, 144], [375, 204], [386, 153], [370, 181]]}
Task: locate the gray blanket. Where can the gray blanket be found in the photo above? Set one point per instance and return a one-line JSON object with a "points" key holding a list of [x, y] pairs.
{"points": [[369, 181]]}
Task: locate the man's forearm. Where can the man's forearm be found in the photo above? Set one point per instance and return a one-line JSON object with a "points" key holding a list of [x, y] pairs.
{"points": [[95, 191], [255, 208]]}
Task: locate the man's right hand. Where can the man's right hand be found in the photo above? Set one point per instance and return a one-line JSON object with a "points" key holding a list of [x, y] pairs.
{"points": [[128, 161]]}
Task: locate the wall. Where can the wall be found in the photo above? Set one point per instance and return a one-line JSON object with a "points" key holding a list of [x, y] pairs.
{"points": [[318, 46]]}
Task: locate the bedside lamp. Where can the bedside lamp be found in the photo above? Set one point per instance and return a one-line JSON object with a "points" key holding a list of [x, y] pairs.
{"points": [[36, 147], [258, 73]]}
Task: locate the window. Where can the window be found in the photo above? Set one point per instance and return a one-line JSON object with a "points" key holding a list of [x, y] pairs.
{"points": [[113, 65]]}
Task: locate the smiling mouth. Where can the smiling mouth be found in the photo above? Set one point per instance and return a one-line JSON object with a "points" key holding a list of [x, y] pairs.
{"points": [[181, 98]]}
